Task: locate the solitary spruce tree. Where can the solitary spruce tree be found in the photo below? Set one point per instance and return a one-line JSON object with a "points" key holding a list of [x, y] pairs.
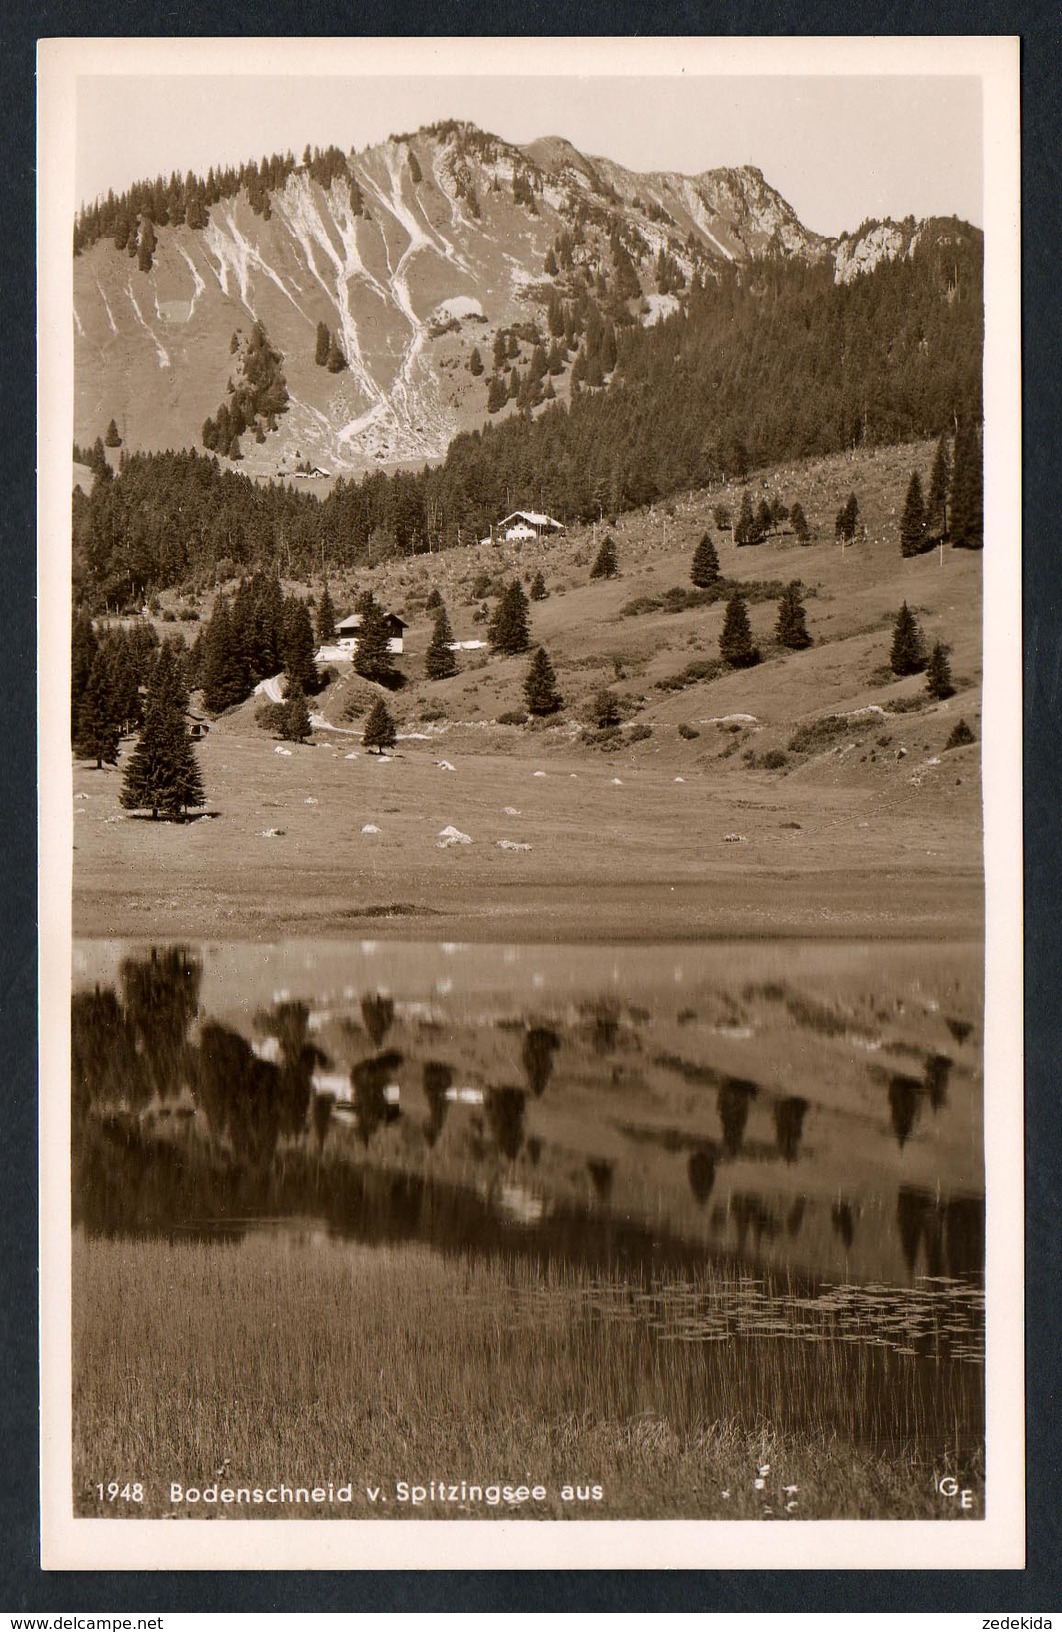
{"points": [[704, 569], [326, 617], [112, 439], [938, 674], [295, 719], [791, 629], [605, 710], [98, 730], [540, 687], [967, 497], [906, 656], [379, 732], [372, 654], [607, 563], [162, 774], [913, 520], [735, 642], [745, 527], [440, 661], [538, 590], [937, 503], [509, 630], [799, 523]]}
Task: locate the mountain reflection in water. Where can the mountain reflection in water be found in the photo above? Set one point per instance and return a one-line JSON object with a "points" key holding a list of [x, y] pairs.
{"points": [[812, 1107]]}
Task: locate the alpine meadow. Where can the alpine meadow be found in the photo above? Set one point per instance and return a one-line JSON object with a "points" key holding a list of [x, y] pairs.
{"points": [[528, 996]]}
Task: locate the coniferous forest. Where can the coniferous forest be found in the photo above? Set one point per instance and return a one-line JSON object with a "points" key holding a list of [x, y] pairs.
{"points": [[772, 361]]}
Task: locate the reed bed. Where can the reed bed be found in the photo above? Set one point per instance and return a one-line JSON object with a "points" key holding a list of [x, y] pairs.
{"points": [[275, 1359]]}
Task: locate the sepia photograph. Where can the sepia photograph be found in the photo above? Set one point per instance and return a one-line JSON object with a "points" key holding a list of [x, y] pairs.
{"points": [[531, 803]]}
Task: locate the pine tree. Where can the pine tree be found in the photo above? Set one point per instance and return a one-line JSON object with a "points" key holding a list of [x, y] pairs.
{"points": [[372, 653], [913, 520], [295, 718], [440, 661], [475, 362], [607, 562], [937, 503], [764, 519], [335, 362], [847, 520], [509, 630], [324, 341], [433, 601], [791, 630], [83, 649], [540, 685], [538, 590], [938, 674], [225, 678], [906, 656], [112, 439], [704, 570], [967, 496], [745, 527], [735, 642], [379, 731], [499, 352], [298, 648], [326, 617], [605, 710], [98, 732], [162, 774], [799, 523]]}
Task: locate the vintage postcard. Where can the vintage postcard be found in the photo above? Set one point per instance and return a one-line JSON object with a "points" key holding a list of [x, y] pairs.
{"points": [[530, 804]]}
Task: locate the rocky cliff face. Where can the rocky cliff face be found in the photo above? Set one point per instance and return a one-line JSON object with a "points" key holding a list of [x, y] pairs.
{"points": [[413, 258]]}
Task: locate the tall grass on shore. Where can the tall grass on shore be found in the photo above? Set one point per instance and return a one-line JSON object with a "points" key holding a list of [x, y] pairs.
{"points": [[314, 1361]]}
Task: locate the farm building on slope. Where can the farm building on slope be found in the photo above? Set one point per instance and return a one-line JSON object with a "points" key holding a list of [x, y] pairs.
{"points": [[526, 524], [347, 633]]}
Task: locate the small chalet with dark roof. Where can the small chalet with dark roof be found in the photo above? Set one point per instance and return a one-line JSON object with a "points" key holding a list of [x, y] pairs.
{"points": [[347, 632]]}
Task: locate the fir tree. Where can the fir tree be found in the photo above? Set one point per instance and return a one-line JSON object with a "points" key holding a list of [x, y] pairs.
{"points": [[83, 649], [326, 617], [913, 520], [799, 523], [847, 520], [379, 731], [434, 600], [745, 531], [295, 718], [967, 497], [509, 630], [335, 362], [440, 661], [499, 352], [540, 685], [162, 774], [98, 731], [605, 710], [607, 563], [791, 629], [324, 341], [938, 674], [937, 503], [538, 590], [475, 362], [298, 647], [906, 656], [735, 642], [112, 439], [225, 679], [764, 519], [704, 570], [497, 394], [372, 653]]}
